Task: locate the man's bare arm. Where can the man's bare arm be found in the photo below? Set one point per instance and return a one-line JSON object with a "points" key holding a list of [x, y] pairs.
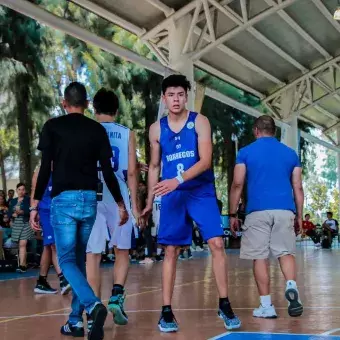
{"points": [[237, 187], [155, 161], [34, 203], [203, 130], [133, 172], [298, 191]]}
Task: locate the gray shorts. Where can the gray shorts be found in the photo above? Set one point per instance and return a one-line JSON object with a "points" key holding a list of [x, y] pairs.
{"points": [[268, 230]]}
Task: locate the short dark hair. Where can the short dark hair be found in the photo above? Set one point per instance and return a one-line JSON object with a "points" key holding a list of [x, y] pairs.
{"points": [[106, 102], [307, 215], [176, 80], [330, 213], [20, 185], [10, 190], [265, 124], [75, 94]]}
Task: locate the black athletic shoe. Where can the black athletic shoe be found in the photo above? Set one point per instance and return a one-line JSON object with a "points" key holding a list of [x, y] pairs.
{"points": [[158, 258], [65, 287], [98, 317], [44, 288], [21, 269], [90, 324], [77, 330]]}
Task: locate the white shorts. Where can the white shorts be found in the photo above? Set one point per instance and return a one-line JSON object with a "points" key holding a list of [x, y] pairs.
{"points": [[106, 228]]}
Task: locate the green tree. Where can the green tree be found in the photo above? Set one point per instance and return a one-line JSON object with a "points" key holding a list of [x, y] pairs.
{"points": [[329, 169], [317, 198], [21, 41], [334, 204]]}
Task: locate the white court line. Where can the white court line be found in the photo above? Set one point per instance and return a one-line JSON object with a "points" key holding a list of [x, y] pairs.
{"points": [[268, 333], [331, 332], [219, 336], [175, 310]]}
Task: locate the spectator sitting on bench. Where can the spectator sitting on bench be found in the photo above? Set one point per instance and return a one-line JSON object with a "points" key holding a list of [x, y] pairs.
{"points": [[309, 229], [330, 227]]}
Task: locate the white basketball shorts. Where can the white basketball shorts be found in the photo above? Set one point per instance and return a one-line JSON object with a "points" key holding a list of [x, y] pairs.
{"points": [[106, 228]]}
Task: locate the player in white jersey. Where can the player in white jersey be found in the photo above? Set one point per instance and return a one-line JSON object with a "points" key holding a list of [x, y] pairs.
{"points": [[106, 227], [156, 211]]}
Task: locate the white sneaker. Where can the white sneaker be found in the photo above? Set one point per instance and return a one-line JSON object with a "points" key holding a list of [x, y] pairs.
{"points": [[318, 245], [147, 260], [265, 312], [295, 307], [199, 249]]}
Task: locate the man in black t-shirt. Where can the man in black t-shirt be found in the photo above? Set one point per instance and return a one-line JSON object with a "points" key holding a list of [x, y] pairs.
{"points": [[75, 144]]}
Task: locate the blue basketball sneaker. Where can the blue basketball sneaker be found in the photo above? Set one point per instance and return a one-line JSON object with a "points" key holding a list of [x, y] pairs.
{"points": [[229, 323], [116, 307], [167, 323]]}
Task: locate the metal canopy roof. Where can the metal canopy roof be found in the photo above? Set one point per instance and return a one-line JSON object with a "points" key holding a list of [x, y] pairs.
{"points": [[265, 47], [274, 49]]}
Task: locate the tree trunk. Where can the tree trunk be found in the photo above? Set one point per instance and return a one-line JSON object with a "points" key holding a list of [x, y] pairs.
{"points": [[23, 121], [231, 159], [3, 170], [149, 120]]}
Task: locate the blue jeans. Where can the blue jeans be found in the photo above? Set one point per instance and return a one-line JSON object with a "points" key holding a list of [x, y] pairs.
{"points": [[72, 216]]}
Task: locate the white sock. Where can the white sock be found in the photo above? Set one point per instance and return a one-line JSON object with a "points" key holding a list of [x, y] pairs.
{"points": [[266, 301], [159, 251], [146, 252], [291, 284]]}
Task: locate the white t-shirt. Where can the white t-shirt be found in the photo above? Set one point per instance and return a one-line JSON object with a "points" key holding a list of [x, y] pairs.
{"points": [[332, 224]]}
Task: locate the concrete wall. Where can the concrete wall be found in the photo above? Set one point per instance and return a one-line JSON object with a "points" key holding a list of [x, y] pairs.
{"points": [[11, 183]]}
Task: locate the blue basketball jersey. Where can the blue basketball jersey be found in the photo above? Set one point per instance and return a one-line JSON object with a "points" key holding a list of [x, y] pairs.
{"points": [[46, 200], [180, 152]]}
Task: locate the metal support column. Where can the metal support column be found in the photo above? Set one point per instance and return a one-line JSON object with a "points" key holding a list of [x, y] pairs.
{"points": [[290, 134], [178, 33], [338, 163]]}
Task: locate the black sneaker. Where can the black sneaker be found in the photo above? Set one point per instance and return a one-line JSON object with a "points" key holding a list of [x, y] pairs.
{"points": [[158, 258], [98, 317], [77, 330], [116, 307], [90, 324], [65, 287], [167, 322], [44, 288], [21, 269]]}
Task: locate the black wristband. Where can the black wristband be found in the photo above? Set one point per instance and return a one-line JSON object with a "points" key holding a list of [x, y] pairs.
{"points": [[232, 215]]}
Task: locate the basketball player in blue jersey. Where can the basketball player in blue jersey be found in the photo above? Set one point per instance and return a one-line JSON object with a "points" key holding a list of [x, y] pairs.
{"points": [[106, 227], [182, 142], [49, 254]]}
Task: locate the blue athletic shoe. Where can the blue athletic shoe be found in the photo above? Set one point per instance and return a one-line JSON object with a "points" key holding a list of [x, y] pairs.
{"points": [[116, 307], [229, 323], [168, 323]]}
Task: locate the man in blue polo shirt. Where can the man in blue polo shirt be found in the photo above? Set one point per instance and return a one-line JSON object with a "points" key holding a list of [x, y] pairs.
{"points": [[272, 172]]}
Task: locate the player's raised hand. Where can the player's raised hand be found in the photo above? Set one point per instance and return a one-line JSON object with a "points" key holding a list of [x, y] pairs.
{"points": [[165, 187]]}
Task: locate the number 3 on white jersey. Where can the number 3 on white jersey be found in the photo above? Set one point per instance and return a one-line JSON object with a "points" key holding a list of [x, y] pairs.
{"points": [[115, 158], [180, 169]]}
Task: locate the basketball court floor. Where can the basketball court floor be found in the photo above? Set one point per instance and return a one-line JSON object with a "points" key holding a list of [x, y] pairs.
{"points": [[24, 315]]}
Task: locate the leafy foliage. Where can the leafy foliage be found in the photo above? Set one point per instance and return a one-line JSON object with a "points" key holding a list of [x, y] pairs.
{"points": [[47, 60]]}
